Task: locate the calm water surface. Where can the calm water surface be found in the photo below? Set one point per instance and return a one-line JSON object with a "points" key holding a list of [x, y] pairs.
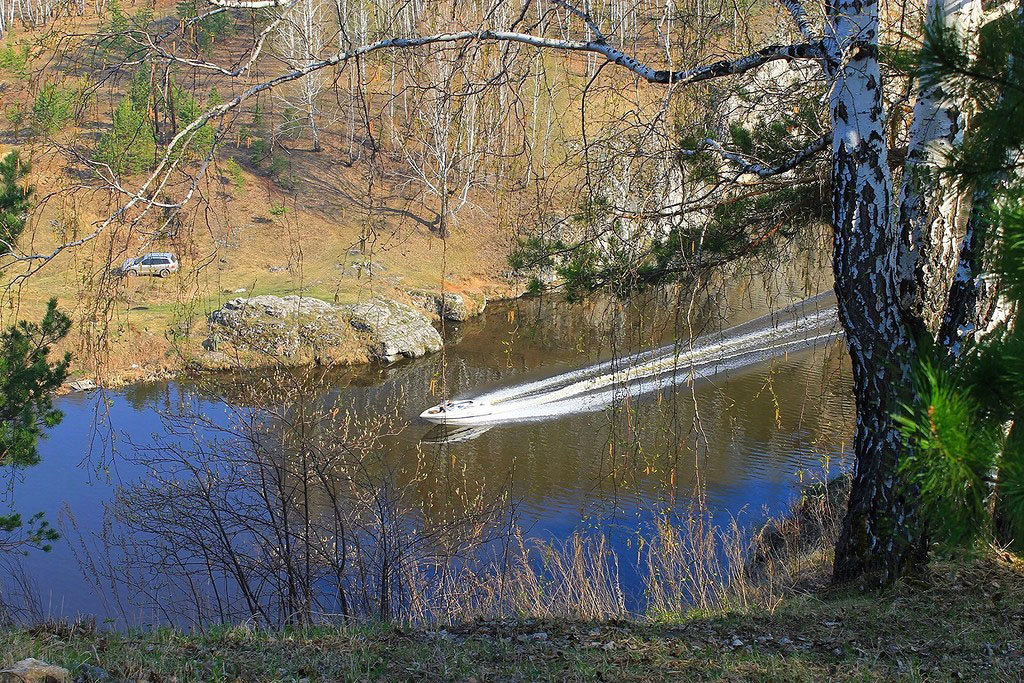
{"points": [[751, 436]]}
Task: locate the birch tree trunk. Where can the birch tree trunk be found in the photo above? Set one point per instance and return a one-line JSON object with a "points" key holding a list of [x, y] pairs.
{"points": [[880, 539], [973, 305], [931, 213]]}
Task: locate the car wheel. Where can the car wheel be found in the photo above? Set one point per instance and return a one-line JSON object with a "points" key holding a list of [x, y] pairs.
{"points": [[130, 273], [164, 272]]}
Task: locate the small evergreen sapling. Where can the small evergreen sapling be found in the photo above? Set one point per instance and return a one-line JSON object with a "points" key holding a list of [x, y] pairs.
{"points": [[15, 196]]}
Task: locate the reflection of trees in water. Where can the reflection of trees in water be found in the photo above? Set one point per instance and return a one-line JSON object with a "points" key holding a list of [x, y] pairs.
{"points": [[309, 500], [290, 511]]}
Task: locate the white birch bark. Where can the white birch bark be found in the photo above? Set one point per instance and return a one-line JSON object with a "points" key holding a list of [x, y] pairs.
{"points": [[302, 40], [880, 538], [932, 209]]}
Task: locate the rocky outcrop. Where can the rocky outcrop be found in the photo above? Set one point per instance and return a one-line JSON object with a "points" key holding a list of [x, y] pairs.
{"points": [[447, 305], [291, 326], [394, 329], [34, 671]]}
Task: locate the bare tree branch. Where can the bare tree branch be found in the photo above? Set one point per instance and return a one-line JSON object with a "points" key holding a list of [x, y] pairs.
{"points": [[157, 180], [585, 16], [248, 4], [799, 14], [744, 165]]}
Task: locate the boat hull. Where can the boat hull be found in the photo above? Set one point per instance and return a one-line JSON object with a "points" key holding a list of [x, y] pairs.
{"points": [[458, 413]]}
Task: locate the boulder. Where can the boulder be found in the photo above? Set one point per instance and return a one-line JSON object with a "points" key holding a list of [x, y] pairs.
{"points": [[34, 671], [394, 329], [283, 326], [278, 325], [361, 268], [271, 306], [448, 305], [87, 673]]}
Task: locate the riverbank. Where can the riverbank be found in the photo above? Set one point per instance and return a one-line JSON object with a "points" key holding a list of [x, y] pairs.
{"points": [[961, 620], [776, 619]]}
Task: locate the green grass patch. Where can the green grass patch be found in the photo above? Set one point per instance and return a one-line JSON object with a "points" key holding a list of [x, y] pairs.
{"points": [[962, 620]]}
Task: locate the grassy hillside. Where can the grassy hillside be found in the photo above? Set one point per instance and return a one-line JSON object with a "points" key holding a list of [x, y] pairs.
{"points": [[270, 217]]}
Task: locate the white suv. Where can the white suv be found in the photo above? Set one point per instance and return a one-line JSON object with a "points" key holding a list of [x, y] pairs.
{"points": [[155, 263]]}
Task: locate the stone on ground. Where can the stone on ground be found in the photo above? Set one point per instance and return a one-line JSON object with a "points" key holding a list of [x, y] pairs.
{"points": [[34, 671]]}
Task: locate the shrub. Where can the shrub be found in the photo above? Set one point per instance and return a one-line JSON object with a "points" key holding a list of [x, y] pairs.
{"points": [[234, 172], [53, 108], [130, 145]]}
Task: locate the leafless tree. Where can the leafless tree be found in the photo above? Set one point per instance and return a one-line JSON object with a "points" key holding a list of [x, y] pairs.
{"points": [[291, 511], [302, 39]]}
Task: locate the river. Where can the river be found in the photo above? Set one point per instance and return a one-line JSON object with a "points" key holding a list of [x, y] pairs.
{"points": [[750, 437]]}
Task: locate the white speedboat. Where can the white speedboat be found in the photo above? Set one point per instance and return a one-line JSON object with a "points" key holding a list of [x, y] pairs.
{"points": [[465, 411]]}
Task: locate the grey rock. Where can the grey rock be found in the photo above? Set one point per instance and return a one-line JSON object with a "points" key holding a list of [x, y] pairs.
{"points": [[82, 385], [244, 308], [447, 305], [388, 329], [87, 673], [395, 330], [361, 268], [278, 325], [34, 671], [452, 307]]}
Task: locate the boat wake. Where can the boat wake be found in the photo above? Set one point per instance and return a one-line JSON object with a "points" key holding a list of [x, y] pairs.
{"points": [[802, 326]]}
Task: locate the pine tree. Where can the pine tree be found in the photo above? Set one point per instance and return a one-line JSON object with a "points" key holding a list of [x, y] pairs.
{"points": [[969, 459], [15, 195], [130, 146], [53, 109], [28, 380]]}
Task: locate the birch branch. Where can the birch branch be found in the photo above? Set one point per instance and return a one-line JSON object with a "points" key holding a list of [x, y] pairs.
{"points": [[809, 50], [153, 185], [587, 19], [799, 15], [248, 4], [744, 165]]}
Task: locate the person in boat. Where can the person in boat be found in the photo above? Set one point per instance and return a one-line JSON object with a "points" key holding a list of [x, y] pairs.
{"points": [[445, 407]]}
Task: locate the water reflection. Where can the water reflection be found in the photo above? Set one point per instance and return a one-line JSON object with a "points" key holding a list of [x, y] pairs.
{"points": [[745, 439], [449, 434]]}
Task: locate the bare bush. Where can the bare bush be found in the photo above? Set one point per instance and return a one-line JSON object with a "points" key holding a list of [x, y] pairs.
{"points": [[292, 512]]}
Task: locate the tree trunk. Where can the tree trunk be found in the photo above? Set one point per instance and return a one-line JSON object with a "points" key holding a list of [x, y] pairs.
{"points": [[973, 307], [880, 538], [312, 127], [932, 209], [971, 302]]}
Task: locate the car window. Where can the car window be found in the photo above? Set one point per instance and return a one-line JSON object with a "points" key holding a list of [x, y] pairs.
{"points": [[148, 261]]}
